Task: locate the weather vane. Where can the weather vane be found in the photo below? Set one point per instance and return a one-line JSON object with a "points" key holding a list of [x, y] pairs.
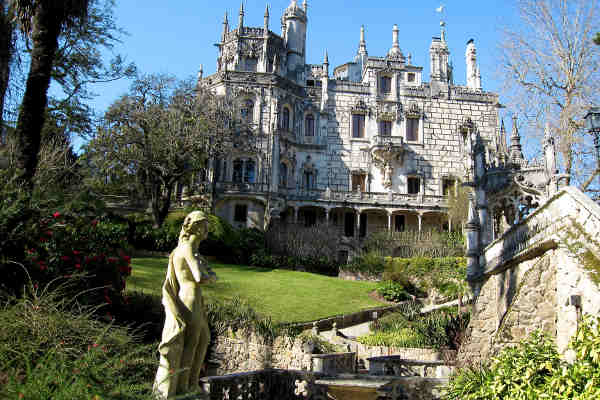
{"points": [[441, 10]]}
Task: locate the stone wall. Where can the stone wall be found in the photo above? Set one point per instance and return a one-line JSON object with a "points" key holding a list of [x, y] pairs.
{"points": [[541, 274], [248, 352]]}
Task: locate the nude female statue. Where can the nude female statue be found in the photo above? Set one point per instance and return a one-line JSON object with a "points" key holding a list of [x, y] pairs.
{"points": [[186, 335]]}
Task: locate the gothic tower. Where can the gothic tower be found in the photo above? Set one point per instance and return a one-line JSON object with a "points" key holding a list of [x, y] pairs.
{"points": [[295, 20]]}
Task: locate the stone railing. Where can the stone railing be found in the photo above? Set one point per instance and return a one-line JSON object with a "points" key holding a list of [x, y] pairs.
{"points": [[415, 91], [269, 384], [380, 140], [347, 86], [334, 363], [397, 200], [242, 187], [398, 366]]}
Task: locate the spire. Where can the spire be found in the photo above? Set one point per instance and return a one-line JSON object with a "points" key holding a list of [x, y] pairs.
{"points": [[326, 64], [266, 20], [362, 46], [241, 20], [516, 153], [305, 6], [443, 31], [326, 60], [225, 27], [275, 63], [200, 72]]}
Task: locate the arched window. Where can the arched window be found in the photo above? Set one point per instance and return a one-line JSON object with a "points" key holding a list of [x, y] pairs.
{"points": [[285, 119], [247, 111], [250, 171], [283, 175], [238, 171], [309, 125]]}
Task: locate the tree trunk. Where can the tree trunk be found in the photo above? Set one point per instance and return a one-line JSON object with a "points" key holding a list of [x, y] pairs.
{"points": [[6, 50], [46, 29], [160, 203]]}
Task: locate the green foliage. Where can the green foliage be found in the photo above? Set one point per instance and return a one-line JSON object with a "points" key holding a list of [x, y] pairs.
{"points": [[52, 348], [369, 262], [322, 346], [410, 328], [408, 244], [445, 275], [534, 370], [392, 291]]}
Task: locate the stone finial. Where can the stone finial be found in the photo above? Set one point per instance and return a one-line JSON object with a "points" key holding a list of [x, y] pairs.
{"points": [[275, 63], [266, 19], [326, 60], [200, 72], [409, 59], [362, 46], [473, 217], [471, 60], [443, 31]]}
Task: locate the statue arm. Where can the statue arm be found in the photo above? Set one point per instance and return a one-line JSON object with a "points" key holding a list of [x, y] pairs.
{"points": [[199, 267]]}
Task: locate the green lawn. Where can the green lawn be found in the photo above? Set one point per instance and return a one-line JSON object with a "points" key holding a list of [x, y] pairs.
{"points": [[287, 296]]}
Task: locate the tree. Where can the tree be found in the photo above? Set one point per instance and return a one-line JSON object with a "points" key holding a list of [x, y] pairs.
{"points": [[43, 22], [552, 75], [6, 52], [597, 39], [160, 133]]}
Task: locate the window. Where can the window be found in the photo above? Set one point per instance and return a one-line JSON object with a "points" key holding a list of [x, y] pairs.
{"points": [[309, 126], [310, 83], [238, 171], [412, 129], [358, 182], [385, 84], [343, 257], [249, 171], [410, 77], [385, 128], [244, 171], [358, 125], [308, 181], [241, 213], [247, 111], [285, 119], [399, 223], [283, 175], [414, 185], [448, 186]]}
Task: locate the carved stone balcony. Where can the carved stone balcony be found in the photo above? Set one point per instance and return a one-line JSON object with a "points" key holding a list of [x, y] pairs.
{"points": [[242, 187]]}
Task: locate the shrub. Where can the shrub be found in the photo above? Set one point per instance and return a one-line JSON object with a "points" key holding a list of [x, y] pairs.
{"points": [[534, 369], [52, 348], [408, 244], [368, 262], [392, 291], [44, 241]]}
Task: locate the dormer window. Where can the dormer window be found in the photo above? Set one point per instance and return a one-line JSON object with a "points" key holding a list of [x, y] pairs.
{"points": [[309, 125], [385, 84]]}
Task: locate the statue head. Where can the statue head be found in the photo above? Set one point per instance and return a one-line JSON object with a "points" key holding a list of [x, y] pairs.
{"points": [[195, 223]]}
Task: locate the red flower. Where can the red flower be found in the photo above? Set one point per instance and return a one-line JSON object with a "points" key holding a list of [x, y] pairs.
{"points": [[65, 258], [112, 259], [95, 222], [56, 214], [76, 252], [127, 258], [43, 268], [49, 233], [78, 266]]}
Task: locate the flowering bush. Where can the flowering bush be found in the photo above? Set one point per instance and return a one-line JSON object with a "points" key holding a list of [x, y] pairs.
{"points": [[72, 246]]}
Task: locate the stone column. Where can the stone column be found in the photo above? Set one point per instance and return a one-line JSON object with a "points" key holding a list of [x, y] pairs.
{"points": [[472, 229], [358, 223], [420, 216], [275, 163], [327, 216], [389, 226]]}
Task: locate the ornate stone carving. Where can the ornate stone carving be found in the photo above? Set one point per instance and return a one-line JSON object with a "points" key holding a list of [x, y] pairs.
{"points": [[385, 156]]}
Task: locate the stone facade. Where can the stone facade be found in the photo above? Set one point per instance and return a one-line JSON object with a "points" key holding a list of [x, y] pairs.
{"points": [[540, 274], [372, 147]]}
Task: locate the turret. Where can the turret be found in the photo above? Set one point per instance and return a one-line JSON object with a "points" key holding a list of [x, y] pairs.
{"points": [[362, 45], [294, 19], [438, 57], [225, 28], [200, 73], [473, 76], [325, 83], [266, 22]]}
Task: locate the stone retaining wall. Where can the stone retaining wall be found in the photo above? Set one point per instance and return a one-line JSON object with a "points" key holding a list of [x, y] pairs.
{"points": [[541, 274]]}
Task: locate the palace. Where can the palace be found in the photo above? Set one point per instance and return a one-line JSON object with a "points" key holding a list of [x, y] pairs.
{"points": [[371, 146]]}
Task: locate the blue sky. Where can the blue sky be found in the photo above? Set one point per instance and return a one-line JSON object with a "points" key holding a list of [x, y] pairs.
{"points": [[177, 36]]}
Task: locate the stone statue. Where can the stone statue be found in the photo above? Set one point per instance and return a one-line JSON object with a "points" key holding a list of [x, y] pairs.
{"points": [[185, 335]]}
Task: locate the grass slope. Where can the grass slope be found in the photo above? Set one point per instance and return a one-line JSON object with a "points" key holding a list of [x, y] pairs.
{"points": [[286, 296]]}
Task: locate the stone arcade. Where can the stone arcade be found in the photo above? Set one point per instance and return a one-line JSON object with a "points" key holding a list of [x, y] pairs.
{"points": [[372, 147]]}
